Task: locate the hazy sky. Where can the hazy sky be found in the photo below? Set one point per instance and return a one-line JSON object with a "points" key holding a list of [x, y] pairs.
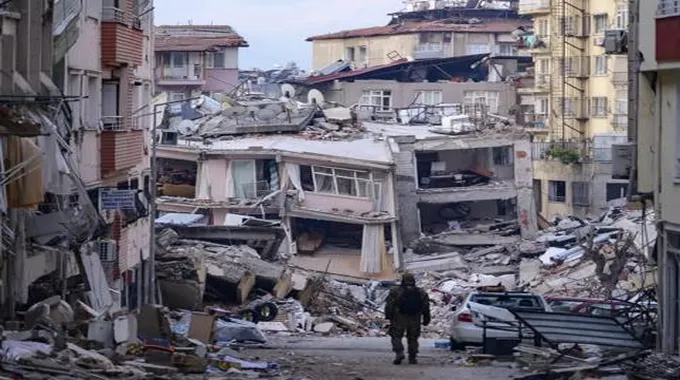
{"points": [[276, 29]]}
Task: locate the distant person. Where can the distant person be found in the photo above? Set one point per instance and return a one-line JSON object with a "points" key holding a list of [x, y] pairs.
{"points": [[407, 307]]}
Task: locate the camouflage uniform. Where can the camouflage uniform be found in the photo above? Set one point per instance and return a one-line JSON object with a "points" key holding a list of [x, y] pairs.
{"points": [[401, 324]]}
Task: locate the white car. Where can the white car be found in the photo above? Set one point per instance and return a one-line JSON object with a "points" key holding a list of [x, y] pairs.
{"points": [[467, 327]]}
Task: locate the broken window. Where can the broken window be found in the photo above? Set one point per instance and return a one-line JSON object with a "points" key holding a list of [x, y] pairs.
{"points": [[502, 155], [616, 191], [580, 193], [557, 191], [380, 100], [429, 98], [338, 181], [254, 178]]}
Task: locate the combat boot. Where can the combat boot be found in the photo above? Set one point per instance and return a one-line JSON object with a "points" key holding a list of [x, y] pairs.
{"points": [[398, 359], [412, 359]]}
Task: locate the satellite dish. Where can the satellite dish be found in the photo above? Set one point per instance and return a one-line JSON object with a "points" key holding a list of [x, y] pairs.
{"points": [[315, 96], [265, 114], [187, 127], [288, 90]]}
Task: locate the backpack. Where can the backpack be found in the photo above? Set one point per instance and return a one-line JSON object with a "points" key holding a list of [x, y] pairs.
{"points": [[410, 301]]}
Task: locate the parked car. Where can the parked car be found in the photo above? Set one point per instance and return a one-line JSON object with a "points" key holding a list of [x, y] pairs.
{"points": [[468, 329]]}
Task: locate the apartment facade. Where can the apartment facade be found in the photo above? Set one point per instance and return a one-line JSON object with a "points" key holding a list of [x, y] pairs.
{"points": [[577, 107], [113, 85], [455, 31], [657, 134], [195, 59]]}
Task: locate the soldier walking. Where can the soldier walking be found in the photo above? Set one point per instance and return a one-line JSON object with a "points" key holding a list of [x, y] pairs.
{"points": [[406, 308]]}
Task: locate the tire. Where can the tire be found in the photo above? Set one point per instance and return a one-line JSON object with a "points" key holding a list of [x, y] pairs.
{"points": [[455, 346], [266, 312]]}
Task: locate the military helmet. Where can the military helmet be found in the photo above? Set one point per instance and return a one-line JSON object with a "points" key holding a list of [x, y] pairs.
{"points": [[408, 279]]}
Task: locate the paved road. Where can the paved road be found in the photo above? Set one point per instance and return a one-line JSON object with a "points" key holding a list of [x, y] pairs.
{"points": [[353, 358]]}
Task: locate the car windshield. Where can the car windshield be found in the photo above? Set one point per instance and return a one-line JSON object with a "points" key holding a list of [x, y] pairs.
{"points": [[508, 301]]}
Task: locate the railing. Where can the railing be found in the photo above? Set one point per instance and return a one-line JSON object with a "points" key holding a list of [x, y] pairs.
{"points": [[190, 72], [533, 5], [570, 151], [538, 121], [256, 190], [112, 14], [668, 8], [116, 123], [542, 80]]}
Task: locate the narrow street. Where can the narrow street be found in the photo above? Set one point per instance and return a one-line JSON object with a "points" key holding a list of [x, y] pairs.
{"points": [[369, 358]]}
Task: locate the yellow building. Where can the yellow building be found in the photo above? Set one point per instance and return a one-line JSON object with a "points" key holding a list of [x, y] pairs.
{"points": [[578, 105], [480, 32]]}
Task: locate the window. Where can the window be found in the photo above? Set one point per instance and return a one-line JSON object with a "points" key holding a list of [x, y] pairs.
{"points": [[599, 107], [601, 65], [380, 99], [616, 191], [254, 178], [567, 106], [621, 20], [567, 26], [363, 55], [478, 49], [488, 98], [338, 181], [178, 59], [542, 27], [542, 106], [557, 191], [502, 155], [349, 54], [215, 60], [428, 98], [600, 23], [507, 48], [580, 193]]}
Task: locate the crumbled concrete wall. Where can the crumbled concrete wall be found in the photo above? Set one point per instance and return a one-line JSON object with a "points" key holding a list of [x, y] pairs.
{"points": [[406, 190]]}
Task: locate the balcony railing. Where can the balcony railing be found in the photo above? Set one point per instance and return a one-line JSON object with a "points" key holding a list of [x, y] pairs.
{"points": [[119, 123], [537, 121], [668, 8], [570, 151], [111, 14]]}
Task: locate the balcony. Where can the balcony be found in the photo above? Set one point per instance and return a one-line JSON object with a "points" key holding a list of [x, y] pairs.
{"points": [[191, 75], [668, 31], [536, 44], [535, 122], [577, 67], [541, 84], [534, 7], [121, 38], [122, 144], [428, 50]]}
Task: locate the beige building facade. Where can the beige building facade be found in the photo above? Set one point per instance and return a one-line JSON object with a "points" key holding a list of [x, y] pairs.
{"points": [[577, 107]]}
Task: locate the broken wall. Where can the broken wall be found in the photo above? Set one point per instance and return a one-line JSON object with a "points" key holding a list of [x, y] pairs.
{"points": [[406, 189], [526, 205]]}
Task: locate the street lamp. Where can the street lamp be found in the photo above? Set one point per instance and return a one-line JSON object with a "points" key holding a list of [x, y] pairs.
{"points": [[151, 291]]}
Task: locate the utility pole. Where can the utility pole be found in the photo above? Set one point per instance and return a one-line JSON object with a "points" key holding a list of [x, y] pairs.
{"points": [[633, 89]]}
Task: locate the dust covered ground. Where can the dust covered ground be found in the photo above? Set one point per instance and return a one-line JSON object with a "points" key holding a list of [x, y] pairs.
{"points": [[351, 358]]}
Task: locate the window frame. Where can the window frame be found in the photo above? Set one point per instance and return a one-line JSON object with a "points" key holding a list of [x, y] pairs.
{"points": [[490, 99], [363, 183], [422, 97], [367, 97], [599, 107], [600, 23], [601, 65], [553, 197]]}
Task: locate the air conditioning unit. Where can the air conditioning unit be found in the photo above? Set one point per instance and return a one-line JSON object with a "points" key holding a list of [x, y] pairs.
{"points": [[598, 41], [108, 251], [616, 41]]}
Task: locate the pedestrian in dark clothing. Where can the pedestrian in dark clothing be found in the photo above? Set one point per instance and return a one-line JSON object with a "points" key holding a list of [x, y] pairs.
{"points": [[406, 308]]}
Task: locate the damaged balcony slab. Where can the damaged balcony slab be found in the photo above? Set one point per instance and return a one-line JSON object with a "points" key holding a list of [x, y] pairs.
{"points": [[266, 240], [470, 240], [342, 216], [491, 191]]}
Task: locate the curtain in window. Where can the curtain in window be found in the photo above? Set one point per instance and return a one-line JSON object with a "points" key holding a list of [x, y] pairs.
{"points": [[291, 174], [203, 191], [230, 191], [324, 183], [373, 253], [244, 181]]}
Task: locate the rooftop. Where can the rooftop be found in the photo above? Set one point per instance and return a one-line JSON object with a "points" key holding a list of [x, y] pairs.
{"points": [[445, 25], [196, 38]]}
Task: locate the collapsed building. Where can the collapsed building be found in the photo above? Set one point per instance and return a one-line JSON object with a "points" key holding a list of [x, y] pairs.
{"points": [[350, 193]]}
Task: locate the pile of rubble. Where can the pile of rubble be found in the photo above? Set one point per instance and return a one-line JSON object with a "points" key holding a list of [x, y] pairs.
{"points": [[337, 123]]}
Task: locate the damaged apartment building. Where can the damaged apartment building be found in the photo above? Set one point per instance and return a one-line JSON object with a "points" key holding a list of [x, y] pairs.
{"points": [[352, 190], [73, 125]]}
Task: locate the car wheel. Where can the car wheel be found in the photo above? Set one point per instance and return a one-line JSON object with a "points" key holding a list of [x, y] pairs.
{"points": [[455, 346], [266, 312]]}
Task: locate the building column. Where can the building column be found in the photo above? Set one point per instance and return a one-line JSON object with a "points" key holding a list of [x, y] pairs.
{"points": [[524, 185], [405, 183]]}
